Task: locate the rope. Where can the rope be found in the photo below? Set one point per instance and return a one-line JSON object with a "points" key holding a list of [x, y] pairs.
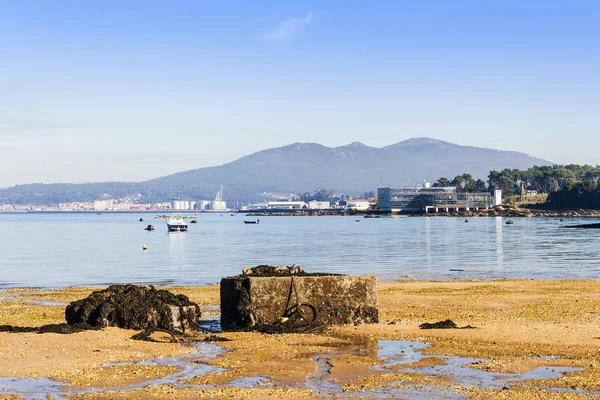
{"points": [[145, 335], [290, 312]]}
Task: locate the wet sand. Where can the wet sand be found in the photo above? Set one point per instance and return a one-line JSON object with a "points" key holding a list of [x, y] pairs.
{"points": [[520, 325]]}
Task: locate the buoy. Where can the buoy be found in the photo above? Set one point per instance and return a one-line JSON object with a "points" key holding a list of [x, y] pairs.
{"points": [[466, 220], [144, 247]]}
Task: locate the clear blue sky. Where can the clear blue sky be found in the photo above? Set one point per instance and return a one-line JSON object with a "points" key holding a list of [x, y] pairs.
{"points": [[131, 90]]}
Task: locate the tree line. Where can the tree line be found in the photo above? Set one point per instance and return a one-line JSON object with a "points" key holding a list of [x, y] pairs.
{"points": [[329, 195], [544, 179], [567, 186]]}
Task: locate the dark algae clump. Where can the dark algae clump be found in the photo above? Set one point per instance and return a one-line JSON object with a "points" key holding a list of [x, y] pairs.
{"points": [[446, 324], [135, 307]]}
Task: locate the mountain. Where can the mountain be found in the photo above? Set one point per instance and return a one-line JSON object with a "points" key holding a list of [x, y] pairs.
{"points": [[300, 167]]}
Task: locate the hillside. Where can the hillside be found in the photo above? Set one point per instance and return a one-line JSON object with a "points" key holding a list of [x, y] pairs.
{"points": [[299, 167]]}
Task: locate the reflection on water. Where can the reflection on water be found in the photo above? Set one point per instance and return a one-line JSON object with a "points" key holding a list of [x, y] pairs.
{"points": [[499, 257], [428, 242], [50, 250]]}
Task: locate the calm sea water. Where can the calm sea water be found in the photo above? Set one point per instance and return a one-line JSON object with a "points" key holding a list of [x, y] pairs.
{"points": [[58, 250]]}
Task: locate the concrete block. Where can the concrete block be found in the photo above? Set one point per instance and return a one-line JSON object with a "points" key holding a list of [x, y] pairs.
{"points": [[257, 303]]}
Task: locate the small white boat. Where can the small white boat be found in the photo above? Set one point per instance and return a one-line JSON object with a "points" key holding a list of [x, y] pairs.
{"points": [[176, 223]]}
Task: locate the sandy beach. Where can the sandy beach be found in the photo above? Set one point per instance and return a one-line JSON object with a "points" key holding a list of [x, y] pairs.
{"points": [[528, 339]]}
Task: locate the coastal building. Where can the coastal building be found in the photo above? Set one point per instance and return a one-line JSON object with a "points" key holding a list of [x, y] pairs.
{"points": [[103, 205], [357, 204], [254, 207], [122, 206], [429, 199], [497, 197], [319, 205], [286, 205]]}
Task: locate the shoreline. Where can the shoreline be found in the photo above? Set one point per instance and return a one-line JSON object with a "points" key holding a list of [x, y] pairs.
{"points": [[491, 212], [380, 280], [498, 211], [521, 325]]}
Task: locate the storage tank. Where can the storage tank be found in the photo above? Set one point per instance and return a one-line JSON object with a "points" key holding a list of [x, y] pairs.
{"points": [[202, 204], [192, 205], [177, 204], [218, 205], [185, 205]]}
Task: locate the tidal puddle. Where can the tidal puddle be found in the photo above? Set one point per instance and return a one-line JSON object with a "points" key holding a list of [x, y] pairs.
{"points": [[393, 357], [5, 297], [31, 388], [211, 323], [189, 366], [256, 381], [393, 354], [405, 352]]}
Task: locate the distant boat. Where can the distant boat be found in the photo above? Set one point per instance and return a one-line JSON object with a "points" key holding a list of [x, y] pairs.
{"points": [[141, 219], [149, 228], [176, 223], [193, 221], [510, 222], [252, 222]]}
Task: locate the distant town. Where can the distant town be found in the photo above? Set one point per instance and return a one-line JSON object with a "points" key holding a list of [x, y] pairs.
{"points": [[318, 200], [130, 205]]}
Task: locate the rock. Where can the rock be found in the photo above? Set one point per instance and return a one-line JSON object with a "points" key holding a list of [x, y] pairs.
{"points": [[447, 324], [135, 307], [268, 271]]}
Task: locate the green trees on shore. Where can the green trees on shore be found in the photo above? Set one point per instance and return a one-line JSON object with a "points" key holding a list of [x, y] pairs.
{"points": [[568, 186], [462, 183], [544, 179], [585, 194]]}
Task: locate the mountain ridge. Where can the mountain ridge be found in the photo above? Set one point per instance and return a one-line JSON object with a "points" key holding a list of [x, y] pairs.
{"points": [[299, 167]]}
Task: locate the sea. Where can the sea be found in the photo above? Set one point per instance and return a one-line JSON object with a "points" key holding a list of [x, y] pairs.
{"points": [[50, 250]]}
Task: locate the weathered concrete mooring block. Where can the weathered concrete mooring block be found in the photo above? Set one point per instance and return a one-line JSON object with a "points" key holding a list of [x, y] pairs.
{"points": [[261, 303]]}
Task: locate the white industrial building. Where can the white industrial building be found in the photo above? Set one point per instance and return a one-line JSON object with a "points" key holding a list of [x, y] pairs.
{"points": [[202, 205], [103, 205], [286, 205], [319, 205], [357, 204]]}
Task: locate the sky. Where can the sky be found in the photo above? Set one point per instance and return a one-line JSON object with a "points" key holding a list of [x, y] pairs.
{"points": [[132, 90]]}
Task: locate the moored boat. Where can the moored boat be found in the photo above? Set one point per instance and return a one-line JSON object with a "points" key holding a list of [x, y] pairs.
{"points": [[176, 223]]}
